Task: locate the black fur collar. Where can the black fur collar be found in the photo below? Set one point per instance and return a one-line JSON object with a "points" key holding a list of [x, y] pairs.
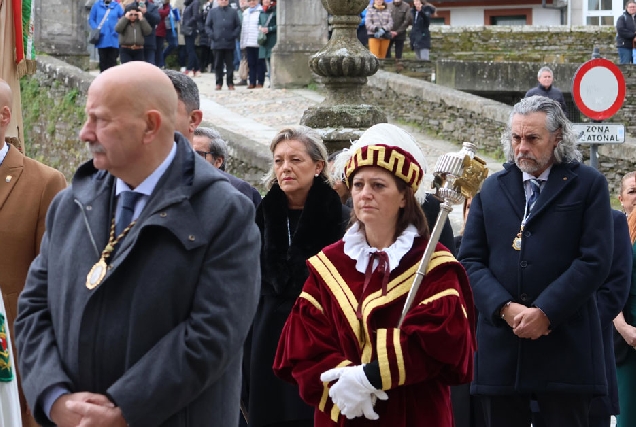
{"points": [[322, 222]]}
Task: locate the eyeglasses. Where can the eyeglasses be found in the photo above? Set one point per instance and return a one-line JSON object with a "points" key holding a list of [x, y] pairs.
{"points": [[203, 153]]}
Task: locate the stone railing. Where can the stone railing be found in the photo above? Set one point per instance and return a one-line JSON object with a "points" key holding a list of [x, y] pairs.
{"points": [[53, 103]]}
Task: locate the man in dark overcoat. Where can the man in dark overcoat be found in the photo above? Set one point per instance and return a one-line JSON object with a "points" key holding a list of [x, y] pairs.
{"points": [[136, 310], [538, 244]]}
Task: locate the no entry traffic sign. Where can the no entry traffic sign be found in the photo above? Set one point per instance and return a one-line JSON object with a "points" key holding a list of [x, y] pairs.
{"points": [[598, 89]]}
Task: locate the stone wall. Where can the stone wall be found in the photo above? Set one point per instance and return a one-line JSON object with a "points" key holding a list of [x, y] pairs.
{"points": [[554, 44], [53, 103]]}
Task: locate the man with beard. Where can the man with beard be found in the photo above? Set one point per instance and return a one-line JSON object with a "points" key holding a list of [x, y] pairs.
{"points": [[537, 245]]}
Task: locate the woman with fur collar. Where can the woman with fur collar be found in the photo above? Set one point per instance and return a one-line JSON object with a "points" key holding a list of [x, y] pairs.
{"points": [[299, 216]]}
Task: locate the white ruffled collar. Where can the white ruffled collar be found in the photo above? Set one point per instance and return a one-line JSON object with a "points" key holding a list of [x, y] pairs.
{"points": [[357, 248]]}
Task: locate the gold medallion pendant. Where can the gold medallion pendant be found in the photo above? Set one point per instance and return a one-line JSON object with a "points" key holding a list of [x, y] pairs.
{"points": [[516, 242], [97, 273]]}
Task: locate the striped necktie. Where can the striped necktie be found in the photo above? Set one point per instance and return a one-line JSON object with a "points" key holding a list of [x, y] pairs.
{"points": [[535, 188]]}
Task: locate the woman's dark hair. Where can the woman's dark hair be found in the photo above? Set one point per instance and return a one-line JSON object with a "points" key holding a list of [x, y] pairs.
{"points": [[410, 214]]}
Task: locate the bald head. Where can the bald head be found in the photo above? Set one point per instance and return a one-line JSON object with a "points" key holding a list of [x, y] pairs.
{"points": [[6, 101], [142, 87], [130, 123]]}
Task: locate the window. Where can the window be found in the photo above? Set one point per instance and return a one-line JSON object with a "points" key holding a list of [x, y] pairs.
{"points": [[508, 17], [600, 20], [602, 12], [508, 20], [441, 17]]}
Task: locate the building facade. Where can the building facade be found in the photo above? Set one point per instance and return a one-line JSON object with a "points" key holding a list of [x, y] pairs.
{"points": [[528, 12]]}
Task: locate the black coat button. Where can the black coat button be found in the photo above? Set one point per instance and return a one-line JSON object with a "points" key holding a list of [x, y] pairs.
{"points": [[524, 297], [523, 264], [527, 234]]}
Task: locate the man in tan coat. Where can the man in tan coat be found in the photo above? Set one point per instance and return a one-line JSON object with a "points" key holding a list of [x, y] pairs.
{"points": [[26, 190]]}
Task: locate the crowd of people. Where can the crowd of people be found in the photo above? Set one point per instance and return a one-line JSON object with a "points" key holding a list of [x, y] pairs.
{"points": [[220, 36], [383, 27], [186, 297]]}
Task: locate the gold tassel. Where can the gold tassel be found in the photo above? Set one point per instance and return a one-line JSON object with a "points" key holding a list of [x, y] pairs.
{"points": [[21, 69], [32, 66]]}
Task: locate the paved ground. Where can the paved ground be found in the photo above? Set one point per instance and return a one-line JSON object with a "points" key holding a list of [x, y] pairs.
{"points": [[260, 113]]}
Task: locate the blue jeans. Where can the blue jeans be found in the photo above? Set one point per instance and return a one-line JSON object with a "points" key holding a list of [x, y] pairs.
{"points": [[193, 59], [171, 39], [625, 55], [150, 55], [237, 56], [127, 55]]}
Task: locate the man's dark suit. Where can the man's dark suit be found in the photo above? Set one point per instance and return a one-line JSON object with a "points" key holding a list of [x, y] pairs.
{"points": [[565, 257]]}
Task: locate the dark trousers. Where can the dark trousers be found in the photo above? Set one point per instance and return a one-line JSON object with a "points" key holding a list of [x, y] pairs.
{"points": [[159, 52], [182, 56], [557, 410], [127, 55], [363, 36], [255, 65], [595, 420], [224, 57], [399, 48], [149, 54], [207, 58], [107, 57], [193, 59]]}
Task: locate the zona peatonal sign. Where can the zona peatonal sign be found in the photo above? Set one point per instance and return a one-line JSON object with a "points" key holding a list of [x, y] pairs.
{"points": [[598, 90], [599, 133]]}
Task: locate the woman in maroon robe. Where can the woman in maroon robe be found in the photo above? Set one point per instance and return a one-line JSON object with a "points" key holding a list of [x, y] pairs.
{"points": [[341, 344]]}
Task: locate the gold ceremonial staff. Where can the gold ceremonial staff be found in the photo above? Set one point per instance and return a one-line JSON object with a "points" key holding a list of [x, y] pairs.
{"points": [[456, 176]]}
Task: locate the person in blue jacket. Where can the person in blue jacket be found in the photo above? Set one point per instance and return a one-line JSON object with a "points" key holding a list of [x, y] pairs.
{"points": [[108, 45]]}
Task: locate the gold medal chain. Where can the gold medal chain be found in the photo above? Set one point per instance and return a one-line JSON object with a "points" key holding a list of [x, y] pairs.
{"points": [[112, 242]]}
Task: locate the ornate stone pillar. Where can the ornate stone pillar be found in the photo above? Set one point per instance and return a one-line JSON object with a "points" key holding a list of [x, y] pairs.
{"points": [[343, 65], [61, 30], [301, 31]]}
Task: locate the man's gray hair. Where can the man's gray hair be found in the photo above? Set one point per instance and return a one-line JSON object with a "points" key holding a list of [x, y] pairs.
{"points": [[313, 144], [216, 144], [555, 120], [186, 88], [544, 69]]}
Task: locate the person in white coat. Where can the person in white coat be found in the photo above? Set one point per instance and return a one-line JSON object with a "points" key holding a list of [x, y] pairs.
{"points": [[249, 42]]}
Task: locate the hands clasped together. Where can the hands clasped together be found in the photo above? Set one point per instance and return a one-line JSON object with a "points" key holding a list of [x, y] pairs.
{"points": [[353, 394], [86, 410], [526, 322]]}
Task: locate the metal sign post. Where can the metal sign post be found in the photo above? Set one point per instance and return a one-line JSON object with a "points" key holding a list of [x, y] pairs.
{"points": [[598, 89]]}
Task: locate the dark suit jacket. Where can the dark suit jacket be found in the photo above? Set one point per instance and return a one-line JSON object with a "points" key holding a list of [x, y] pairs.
{"points": [[244, 187], [565, 257]]}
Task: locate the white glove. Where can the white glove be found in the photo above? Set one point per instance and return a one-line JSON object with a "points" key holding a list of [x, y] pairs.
{"points": [[353, 393]]}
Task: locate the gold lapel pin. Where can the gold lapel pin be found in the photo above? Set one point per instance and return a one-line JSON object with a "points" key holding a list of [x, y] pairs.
{"points": [[8, 178]]}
